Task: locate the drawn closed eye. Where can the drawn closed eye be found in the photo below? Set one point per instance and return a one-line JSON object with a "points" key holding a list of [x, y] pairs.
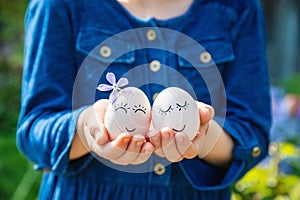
{"points": [[165, 112], [139, 108], [184, 106], [121, 107]]}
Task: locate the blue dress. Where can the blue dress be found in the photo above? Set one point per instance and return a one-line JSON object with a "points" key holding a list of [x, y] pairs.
{"points": [[215, 51]]}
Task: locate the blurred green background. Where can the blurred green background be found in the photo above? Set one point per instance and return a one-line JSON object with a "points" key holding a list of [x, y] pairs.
{"points": [[266, 181], [18, 179]]}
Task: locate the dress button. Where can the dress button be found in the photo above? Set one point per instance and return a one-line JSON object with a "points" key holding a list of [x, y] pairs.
{"points": [[159, 169], [154, 96], [155, 65], [205, 57], [256, 151], [151, 34], [105, 51]]}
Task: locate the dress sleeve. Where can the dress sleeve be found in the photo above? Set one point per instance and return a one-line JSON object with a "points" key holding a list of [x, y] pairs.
{"points": [[248, 114], [247, 85], [47, 122]]}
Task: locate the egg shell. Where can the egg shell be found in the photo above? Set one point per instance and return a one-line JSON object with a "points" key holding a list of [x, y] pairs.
{"points": [[175, 108], [131, 113]]}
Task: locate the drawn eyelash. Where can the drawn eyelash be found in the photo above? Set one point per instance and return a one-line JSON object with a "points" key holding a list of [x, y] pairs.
{"points": [[165, 112], [184, 106], [121, 106], [139, 108]]}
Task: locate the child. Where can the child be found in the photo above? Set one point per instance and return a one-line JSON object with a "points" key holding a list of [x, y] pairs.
{"points": [[69, 45]]}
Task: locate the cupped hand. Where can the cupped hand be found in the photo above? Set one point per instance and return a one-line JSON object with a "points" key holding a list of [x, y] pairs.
{"points": [[176, 146], [125, 149]]}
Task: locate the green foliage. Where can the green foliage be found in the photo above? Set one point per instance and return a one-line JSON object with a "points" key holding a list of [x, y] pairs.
{"points": [[18, 179], [292, 84], [13, 168], [9, 100], [11, 50], [11, 34], [270, 179]]}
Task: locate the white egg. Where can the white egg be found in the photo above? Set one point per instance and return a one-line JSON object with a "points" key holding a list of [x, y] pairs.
{"points": [[175, 108], [131, 113]]}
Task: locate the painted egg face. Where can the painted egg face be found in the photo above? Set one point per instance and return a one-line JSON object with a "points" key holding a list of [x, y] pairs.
{"points": [[175, 108], [129, 113]]}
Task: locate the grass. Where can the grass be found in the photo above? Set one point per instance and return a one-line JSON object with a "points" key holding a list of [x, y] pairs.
{"points": [[18, 179]]}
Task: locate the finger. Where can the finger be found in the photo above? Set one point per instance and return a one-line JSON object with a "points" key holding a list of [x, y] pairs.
{"points": [[211, 110], [96, 118], [92, 144], [209, 107], [205, 115], [98, 134], [206, 112], [195, 146], [116, 148], [184, 146], [90, 140], [132, 151], [160, 153], [102, 136], [204, 128], [100, 109], [155, 139], [169, 145], [145, 154]]}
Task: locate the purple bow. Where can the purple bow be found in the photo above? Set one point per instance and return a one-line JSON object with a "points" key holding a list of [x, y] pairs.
{"points": [[115, 87]]}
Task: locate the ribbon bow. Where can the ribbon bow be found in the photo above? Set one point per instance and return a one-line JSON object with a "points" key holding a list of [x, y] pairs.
{"points": [[115, 86]]}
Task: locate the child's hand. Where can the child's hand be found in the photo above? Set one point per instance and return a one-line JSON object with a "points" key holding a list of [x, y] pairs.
{"points": [[177, 146], [124, 150]]}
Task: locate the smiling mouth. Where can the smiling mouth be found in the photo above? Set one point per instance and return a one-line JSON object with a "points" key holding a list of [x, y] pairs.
{"points": [[179, 130], [130, 130]]}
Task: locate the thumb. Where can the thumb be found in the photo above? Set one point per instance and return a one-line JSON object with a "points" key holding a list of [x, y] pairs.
{"points": [[206, 112], [100, 107], [102, 136]]}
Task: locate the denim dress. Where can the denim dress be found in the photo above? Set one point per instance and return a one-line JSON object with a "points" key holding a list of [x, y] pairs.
{"points": [[215, 51]]}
